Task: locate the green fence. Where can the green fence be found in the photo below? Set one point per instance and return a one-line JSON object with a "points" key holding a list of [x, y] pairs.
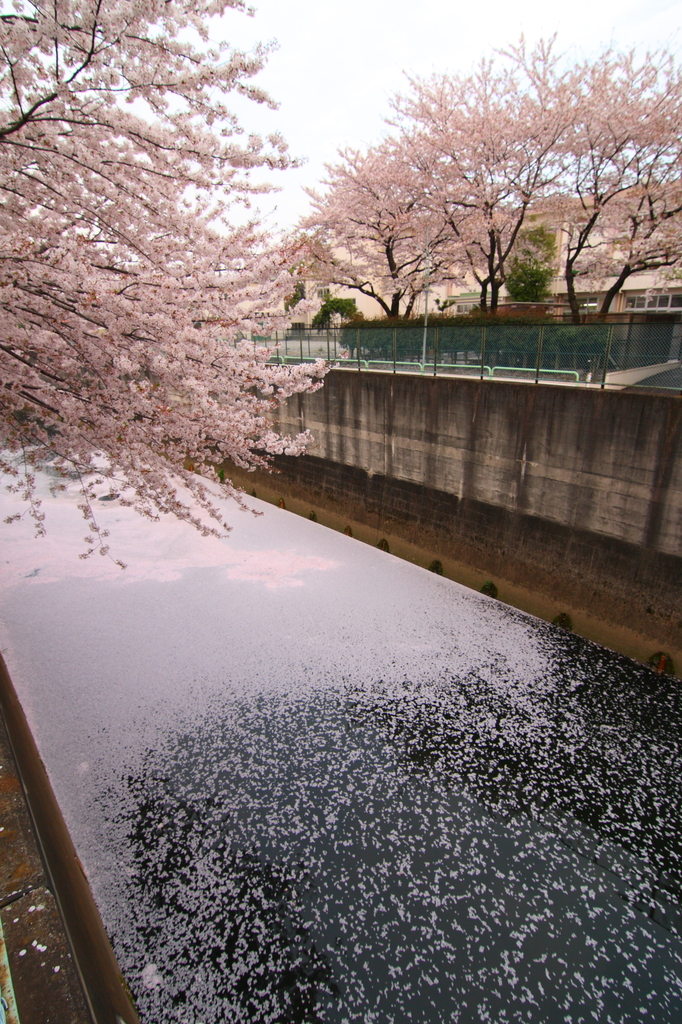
{"points": [[601, 354]]}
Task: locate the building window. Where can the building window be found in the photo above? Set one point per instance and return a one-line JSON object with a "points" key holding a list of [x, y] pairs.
{"points": [[654, 301], [323, 293]]}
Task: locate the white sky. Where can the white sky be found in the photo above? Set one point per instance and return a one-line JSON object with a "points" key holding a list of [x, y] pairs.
{"points": [[338, 64]]}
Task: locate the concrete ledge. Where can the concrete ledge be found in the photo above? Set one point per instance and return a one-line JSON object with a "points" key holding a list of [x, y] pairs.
{"points": [[626, 377], [104, 997], [42, 984]]}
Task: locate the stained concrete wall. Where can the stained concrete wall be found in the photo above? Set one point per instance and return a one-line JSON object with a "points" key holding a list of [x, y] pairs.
{"points": [[573, 492]]}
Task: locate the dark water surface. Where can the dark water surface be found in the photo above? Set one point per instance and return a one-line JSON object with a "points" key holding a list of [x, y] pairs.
{"points": [[463, 852], [310, 782]]}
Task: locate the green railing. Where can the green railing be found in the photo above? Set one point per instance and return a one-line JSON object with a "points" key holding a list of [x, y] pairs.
{"points": [[598, 354]]}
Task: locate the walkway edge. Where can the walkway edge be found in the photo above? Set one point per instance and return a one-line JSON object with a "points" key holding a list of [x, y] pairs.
{"points": [[103, 984]]}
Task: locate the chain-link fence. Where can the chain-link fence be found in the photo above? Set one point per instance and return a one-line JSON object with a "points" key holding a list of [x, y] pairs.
{"points": [[596, 354]]}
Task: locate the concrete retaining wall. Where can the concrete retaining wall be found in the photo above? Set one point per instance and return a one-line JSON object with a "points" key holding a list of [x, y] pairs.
{"points": [[576, 493]]}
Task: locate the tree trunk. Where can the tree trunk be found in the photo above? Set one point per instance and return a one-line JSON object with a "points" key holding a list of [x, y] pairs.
{"points": [[494, 295], [572, 297], [614, 289], [395, 304], [371, 294]]}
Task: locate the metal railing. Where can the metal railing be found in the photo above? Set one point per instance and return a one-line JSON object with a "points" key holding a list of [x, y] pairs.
{"points": [[597, 354]]}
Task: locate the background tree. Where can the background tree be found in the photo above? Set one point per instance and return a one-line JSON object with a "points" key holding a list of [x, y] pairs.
{"points": [[118, 162], [648, 238], [484, 148], [619, 198], [298, 295], [369, 231], [596, 145], [532, 265], [336, 308]]}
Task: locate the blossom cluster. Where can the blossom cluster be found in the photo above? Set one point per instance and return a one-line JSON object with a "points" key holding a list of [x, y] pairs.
{"points": [[124, 291]]}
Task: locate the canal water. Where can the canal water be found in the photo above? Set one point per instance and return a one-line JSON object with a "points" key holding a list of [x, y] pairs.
{"points": [[312, 783]]}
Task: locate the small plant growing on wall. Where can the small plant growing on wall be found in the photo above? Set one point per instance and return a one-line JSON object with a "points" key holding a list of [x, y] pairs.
{"points": [[348, 532], [662, 663], [437, 567], [489, 589], [383, 544], [564, 620], [312, 516]]}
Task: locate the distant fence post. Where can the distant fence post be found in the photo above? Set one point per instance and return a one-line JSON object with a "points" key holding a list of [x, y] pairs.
{"points": [[538, 362], [482, 351], [395, 346], [435, 352], [357, 343], [607, 355]]}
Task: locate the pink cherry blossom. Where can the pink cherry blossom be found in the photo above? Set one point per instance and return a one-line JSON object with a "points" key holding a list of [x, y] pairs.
{"points": [[124, 291]]}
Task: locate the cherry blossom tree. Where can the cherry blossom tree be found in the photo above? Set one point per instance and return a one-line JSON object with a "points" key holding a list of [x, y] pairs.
{"points": [[123, 290], [485, 148], [370, 232], [620, 197], [649, 237]]}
